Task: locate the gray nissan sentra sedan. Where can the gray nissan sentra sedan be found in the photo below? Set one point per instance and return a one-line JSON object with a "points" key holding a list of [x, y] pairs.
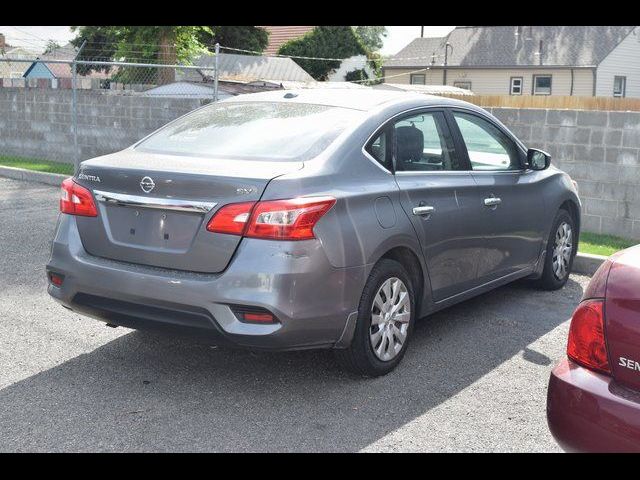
{"points": [[311, 219]]}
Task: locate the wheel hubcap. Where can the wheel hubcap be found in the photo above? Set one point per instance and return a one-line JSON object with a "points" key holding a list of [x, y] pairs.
{"points": [[562, 250], [390, 315]]}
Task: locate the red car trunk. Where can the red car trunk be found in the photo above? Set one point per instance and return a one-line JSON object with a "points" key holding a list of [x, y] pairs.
{"points": [[622, 318]]}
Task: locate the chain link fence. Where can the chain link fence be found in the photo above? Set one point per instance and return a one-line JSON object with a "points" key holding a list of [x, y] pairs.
{"points": [[69, 111]]}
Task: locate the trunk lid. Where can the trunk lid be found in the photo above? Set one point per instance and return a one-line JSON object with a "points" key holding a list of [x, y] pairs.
{"points": [[153, 208], [622, 318]]}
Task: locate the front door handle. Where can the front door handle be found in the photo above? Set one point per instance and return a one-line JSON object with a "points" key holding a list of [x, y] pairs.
{"points": [[423, 210], [492, 202]]}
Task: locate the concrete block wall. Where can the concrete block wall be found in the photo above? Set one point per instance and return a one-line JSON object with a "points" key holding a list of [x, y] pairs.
{"points": [[601, 152], [38, 123]]}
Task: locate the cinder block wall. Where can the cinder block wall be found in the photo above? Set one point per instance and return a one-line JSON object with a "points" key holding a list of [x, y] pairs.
{"points": [[600, 150], [38, 123]]}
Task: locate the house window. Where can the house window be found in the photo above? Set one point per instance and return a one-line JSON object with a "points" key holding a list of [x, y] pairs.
{"points": [[465, 85], [418, 79], [619, 86], [516, 86], [542, 84]]}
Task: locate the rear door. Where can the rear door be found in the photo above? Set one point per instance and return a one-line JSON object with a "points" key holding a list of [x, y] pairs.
{"points": [[440, 198], [511, 198]]}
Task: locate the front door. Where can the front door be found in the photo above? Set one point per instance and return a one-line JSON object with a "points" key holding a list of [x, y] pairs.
{"points": [[440, 197], [512, 197]]}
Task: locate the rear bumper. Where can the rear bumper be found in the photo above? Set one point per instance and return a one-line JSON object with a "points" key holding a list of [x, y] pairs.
{"points": [[294, 280], [589, 412]]}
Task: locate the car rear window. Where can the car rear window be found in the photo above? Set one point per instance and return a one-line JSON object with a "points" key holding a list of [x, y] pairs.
{"points": [[253, 130]]}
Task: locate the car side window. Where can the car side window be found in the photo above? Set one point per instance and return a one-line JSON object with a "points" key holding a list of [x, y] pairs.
{"points": [[489, 148], [424, 143], [380, 149]]}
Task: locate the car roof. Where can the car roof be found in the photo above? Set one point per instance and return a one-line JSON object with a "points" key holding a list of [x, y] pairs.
{"points": [[365, 100]]}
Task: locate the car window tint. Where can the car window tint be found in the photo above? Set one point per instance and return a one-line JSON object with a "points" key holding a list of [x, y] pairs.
{"points": [[423, 143], [489, 149], [254, 131], [379, 149]]}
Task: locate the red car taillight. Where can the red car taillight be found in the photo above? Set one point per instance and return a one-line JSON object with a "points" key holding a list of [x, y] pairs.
{"points": [[76, 200], [586, 345], [291, 219]]}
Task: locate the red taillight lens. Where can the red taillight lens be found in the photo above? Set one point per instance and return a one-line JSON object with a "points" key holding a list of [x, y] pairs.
{"points": [[76, 200], [231, 219], [288, 219], [292, 219], [56, 279], [586, 345]]}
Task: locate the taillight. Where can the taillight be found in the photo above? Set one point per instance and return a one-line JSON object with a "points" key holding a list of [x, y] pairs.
{"points": [[76, 200], [586, 345], [231, 219], [291, 219]]}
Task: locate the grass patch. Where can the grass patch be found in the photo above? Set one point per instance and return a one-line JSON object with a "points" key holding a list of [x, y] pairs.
{"points": [[602, 244], [37, 165]]}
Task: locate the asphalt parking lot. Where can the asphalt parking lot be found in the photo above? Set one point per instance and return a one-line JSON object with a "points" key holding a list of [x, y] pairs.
{"points": [[474, 378]]}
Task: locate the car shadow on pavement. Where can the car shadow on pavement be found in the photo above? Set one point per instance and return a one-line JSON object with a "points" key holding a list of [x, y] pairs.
{"points": [[146, 392]]}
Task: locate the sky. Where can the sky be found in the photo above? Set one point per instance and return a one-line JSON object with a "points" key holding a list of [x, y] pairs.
{"points": [[35, 37]]}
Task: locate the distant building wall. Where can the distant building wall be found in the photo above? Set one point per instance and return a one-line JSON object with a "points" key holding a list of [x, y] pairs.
{"points": [[496, 81], [624, 61]]}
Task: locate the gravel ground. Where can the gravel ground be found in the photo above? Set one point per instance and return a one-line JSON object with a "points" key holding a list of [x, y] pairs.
{"points": [[474, 378]]}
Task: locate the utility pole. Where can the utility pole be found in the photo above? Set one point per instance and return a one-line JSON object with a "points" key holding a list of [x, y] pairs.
{"points": [[74, 108], [446, 57], [422, 32]]}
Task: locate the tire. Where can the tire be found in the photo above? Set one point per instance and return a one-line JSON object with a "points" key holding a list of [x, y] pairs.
{"points": [[361, 357], [550, 280]]}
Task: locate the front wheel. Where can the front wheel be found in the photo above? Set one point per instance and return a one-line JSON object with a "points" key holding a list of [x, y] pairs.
{"points": [[385, 321], [561, 250]]}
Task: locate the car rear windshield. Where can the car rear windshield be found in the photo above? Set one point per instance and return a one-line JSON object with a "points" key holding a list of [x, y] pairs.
{"points": [[253, 131]]}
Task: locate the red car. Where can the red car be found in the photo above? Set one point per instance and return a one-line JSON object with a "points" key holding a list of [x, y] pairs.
{"points": [[593, 401]]}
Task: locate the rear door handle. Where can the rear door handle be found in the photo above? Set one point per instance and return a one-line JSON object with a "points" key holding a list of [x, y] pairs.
{"points": [[423, 210], [492, 202]]}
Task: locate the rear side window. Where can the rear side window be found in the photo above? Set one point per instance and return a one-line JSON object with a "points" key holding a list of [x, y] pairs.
{"points": [[380, 149], [488, 147], [423, 143], [254, 131]]}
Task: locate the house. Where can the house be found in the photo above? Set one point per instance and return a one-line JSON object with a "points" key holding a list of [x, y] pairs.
{"points": [[10, 69], [279, 35], [43, 69], [525, 60], [245, 68]]}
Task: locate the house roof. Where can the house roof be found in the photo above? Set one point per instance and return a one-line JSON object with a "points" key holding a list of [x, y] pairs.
{"points": [[248, 68], [508, 46], [279, 35]]}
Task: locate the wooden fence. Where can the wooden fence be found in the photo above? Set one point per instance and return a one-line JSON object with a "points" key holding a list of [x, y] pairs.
{"points": [[552, 102]]}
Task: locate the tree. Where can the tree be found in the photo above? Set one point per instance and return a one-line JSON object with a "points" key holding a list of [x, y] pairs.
{"points": [[243, 37], [324, 42], [371, 37], [166, 45], [51, 46]]}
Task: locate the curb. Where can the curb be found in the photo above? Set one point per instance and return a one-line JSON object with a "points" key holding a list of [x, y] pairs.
{"points": [[587, 264], [54, 179]]}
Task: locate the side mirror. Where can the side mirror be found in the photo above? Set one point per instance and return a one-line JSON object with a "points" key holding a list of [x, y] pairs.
{"points": [[537, 159]]}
